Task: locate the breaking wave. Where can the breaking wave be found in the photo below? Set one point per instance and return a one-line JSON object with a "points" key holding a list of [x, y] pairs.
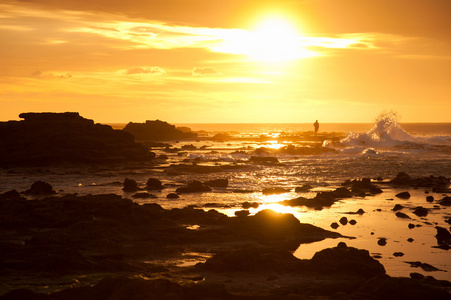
{"points": [[385, 134]]}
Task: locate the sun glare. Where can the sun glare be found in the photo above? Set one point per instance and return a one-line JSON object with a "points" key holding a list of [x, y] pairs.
{"points": [[273, 39]]}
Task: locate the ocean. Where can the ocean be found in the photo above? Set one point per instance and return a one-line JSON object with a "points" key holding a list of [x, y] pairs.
{"points": [[381, 149]]}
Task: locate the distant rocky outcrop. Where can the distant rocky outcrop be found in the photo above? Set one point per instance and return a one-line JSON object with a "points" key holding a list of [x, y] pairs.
{"points": [[49, 138], [157, 131]]}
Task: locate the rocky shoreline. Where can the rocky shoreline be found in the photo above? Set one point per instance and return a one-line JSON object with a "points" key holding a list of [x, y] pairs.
{"points": [[108, 247]]}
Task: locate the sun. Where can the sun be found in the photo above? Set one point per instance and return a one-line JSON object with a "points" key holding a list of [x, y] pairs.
{"points": [[272, 39]]}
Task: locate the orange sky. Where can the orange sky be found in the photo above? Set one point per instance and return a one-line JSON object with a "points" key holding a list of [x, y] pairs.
{"points": [[195, 61]]}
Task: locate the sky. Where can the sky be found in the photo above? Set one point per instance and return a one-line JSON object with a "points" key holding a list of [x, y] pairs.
{"points": [[227, 61]]}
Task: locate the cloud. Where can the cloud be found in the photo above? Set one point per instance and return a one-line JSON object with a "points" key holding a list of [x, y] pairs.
{"points": [[50, 75], [205, 72], [145, 70]]}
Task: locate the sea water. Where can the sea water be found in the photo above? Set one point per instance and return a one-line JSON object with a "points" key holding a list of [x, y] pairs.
{"points": [[381, 149]]}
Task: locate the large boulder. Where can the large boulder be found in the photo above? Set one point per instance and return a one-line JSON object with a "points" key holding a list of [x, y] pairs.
{"points": [[347, 260]]}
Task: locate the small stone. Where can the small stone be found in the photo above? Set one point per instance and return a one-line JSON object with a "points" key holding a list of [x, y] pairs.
{"points": [[343, 221], [398, 254], [382, 242], [410, 240], [403, 195], [334, 225], [353, 222], [430, 198], [397, 207]]}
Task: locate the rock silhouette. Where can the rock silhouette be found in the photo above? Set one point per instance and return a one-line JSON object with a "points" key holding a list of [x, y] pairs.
{"points": [[157, 131], [55, 138]]}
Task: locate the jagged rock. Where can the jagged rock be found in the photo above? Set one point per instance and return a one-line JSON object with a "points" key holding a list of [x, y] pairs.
{"points": [[40, 188], [157, 131], [154, 184], [54, 138], [403, 195]]}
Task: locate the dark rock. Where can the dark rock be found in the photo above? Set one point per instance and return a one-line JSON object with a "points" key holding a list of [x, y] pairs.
{"points": [[189, 147], [343, 221], [347, 260], [421, 211], [416, 276], [194, 186], [242, 213], [446, 201], [426, 267], [364, 185], [247, 205], [224, 182], [274, 191], [304, 188], [154, 184], [411, 226], [353, 222], [172, 196], [163, 157], [430, 198], [398, 254], [24, 294], [443, 236], [334, 225], [40, 188], [403, 195], [157, 131], [402, 215], [55, 138], [253, 259], [410, 240], [130, 185], [382, 242], [397, 207], [401, 179], [10, 195], [263, 160], [393, 288], [143, 196], [360, 211]]}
